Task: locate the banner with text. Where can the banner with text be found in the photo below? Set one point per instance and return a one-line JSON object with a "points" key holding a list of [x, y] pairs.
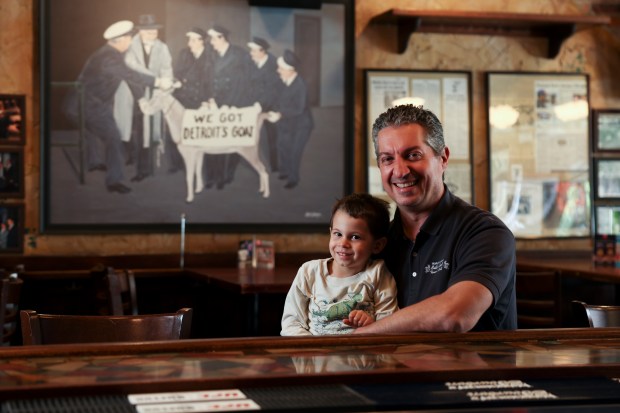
{"points": [[221, 127]]}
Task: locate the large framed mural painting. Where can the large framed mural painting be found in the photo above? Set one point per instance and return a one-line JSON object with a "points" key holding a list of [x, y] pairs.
{"points": [[236, 115]]}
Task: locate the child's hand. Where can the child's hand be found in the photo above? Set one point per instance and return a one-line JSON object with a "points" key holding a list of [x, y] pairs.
{"points": [[358, 318]]}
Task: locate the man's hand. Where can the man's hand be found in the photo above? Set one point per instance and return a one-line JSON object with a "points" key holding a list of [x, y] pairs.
{"points": [[164, 83], [273, 116], [358, 318]]}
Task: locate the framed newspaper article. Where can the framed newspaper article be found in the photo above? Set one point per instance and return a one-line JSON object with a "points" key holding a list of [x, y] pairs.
{"points": [[236, 114], [539, 159], [447, 95]]}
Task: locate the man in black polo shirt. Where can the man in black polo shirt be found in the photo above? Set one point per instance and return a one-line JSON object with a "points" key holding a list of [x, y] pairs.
{"points": [[454, 264]]}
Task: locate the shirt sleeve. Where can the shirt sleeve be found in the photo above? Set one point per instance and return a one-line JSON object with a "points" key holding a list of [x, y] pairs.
{"points": [[488, 257], [385, 293], [295, 320]]}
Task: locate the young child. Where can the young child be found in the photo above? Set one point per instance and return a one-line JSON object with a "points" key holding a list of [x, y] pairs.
{"points": [[350, 289]]}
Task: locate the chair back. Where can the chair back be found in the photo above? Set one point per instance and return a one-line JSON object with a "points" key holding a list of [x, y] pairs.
{"points": [[10, 290], [67, 329], [539, 298], [115, 291], [602, 315]]}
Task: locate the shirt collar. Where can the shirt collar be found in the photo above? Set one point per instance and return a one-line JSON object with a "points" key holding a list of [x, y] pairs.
{"points": [[197, 53], [223, 52], [262, 61], [435, 220], [290, 80]]}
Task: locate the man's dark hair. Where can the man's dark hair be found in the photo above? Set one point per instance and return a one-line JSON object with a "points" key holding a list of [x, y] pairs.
{"points": [[409, 114], [375, 211]]}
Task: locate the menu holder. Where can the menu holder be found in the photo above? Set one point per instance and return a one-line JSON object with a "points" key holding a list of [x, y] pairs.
{"points": [[256, 253], [606, 250]]}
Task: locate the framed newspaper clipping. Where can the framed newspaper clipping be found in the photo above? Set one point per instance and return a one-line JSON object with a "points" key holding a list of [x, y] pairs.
{"points": [[538, 126], [448, 95]]}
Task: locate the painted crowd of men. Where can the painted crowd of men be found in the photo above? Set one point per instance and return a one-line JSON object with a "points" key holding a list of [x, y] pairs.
{"points": [[130, 64]]}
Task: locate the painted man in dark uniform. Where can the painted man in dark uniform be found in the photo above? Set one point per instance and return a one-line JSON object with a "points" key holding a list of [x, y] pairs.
{"points": [[194, 69], [265, 87], [230, 74], [293, 119], [101, 76]]}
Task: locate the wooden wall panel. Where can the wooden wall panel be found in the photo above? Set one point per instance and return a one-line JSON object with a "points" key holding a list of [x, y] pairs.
{"points": [[593, 51]]}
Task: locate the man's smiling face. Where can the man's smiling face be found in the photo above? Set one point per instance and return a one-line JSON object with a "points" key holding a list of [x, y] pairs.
{"points": [[411, 172]]}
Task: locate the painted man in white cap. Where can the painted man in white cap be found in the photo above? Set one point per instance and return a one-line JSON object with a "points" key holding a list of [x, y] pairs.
{"points": [[146, 54], [101, 77], [265, 87], [293, 119]]}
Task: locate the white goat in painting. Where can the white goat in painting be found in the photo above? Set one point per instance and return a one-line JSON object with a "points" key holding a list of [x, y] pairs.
{"points": [[193, 155]]}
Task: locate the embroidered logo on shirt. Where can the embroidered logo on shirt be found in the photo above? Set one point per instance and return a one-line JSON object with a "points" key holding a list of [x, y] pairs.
{"points": [[437, 266]]}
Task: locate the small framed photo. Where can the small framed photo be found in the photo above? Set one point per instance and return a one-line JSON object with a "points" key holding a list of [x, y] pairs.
{"points": [[607, 178], [12, 112], [607, 219], [606, 133], [11, 173], [11, 229]]}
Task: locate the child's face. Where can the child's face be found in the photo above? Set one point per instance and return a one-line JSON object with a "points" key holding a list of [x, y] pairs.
{"points": [[351, 244]]}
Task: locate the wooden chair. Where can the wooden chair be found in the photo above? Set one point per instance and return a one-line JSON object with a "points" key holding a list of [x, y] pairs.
{"points": [[10, 290], [115, 291], [65, 329], [539, 299], [601, 315]]}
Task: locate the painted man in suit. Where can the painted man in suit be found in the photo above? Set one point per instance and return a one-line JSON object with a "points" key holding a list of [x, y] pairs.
{"points": [[230, 74], [147, 54], [101, 76], [265, 87], [293, 119]]}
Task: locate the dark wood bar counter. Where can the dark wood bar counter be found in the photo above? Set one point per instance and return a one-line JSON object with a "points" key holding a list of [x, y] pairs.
{"points": [[548, 361]]}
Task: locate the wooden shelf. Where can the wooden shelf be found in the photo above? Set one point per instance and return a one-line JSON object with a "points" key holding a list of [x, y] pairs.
{"points": [[556, 28]]}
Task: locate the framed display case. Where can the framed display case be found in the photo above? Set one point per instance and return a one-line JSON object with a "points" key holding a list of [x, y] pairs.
{"points": [[605, 164], [448, 95], [538, 132]]}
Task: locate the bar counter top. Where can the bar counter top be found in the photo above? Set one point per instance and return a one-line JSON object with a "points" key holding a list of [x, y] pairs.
{"points": [[268, 361]]}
